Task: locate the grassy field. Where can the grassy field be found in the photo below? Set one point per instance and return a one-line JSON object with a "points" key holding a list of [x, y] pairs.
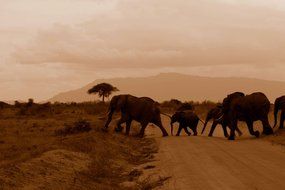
{"points": [[62, 146]]}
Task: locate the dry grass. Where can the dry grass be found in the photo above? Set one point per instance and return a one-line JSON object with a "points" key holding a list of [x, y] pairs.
{"points": [[28, 132], [150, 183], [79, 126]]}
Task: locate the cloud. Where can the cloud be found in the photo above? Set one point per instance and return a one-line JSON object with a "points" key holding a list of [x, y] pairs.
{"points": [[164, 33], [62, 45]]}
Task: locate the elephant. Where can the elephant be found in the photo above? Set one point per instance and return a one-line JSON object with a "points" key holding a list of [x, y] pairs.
{"points": [[141, 109], [216, 114], [279, 104], [185, 106], [249, 108], [185, 119]]}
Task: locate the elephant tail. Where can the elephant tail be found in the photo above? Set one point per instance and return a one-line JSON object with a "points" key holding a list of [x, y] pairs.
{"points": [[165, 114]]}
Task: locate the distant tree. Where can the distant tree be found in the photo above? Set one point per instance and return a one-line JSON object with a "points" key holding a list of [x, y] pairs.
{"points": [[30, 102], [103, 90]]}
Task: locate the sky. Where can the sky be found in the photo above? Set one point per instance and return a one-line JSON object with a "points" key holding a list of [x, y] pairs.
{"points": [[50, 46]]}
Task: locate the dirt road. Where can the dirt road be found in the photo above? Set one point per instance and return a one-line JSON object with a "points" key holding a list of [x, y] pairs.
{"points": [[214, 163]]}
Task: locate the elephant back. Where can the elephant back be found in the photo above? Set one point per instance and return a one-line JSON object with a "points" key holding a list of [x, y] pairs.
{"points": [[190, 115], [185, 106], [257, 100]]}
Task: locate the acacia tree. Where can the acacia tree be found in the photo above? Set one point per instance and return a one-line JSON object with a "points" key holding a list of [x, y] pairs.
{"points": [[103, 90]]}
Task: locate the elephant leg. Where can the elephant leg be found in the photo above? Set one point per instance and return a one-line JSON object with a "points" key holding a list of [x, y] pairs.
{"points": [[195, 131], [186, 131], [128, 126], [194, 128], [122, 120], [144, 125], [250, 129], [159, 124], [267, 130], [179, 130], [282, 120], [119, 128], [214, 125], [224, 126], [233, 127], [239, 131]]}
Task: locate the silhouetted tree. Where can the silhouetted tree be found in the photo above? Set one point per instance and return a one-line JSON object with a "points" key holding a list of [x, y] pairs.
{"points": [[103, 90], [30, 102]]}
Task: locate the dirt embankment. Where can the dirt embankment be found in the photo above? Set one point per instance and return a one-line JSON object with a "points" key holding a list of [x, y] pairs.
{"points": [[53, 169]]}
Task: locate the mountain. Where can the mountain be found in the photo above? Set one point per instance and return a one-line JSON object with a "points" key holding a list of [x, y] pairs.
{"points": [[183, 87]]}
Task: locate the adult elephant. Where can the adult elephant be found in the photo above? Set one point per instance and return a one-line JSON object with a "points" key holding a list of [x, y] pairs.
{"points": [[218, 117], [143, 110], [279, 104], [249, 108], [185, 119]]}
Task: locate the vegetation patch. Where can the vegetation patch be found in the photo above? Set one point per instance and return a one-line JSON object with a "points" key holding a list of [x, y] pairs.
{"points": [[79, 126]]}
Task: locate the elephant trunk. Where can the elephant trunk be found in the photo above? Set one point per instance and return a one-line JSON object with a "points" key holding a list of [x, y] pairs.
{"points": [[110, 114], [205, 124], [171, 124], [276, 109], [208, 118]]}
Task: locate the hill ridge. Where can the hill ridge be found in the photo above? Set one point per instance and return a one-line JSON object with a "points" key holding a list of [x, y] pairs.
{"points": [[165, 86]]}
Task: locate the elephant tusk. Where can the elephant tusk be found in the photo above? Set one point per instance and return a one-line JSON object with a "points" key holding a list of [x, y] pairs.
{"points": [[219, 119]]}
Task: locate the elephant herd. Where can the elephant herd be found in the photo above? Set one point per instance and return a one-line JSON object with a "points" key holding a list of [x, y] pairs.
{"points": [[235, 107]]}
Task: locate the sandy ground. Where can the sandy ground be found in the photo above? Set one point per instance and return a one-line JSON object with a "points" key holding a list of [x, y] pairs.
{"points": [[203, 162]]}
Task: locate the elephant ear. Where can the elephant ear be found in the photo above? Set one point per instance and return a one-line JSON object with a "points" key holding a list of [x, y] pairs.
{"points": [[226, 104], [228, 100], [121, 101], [114, 101], [176, 116], [182, 114]]}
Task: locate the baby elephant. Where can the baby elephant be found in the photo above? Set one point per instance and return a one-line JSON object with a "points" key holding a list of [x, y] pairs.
{"points": [[185, 119]]}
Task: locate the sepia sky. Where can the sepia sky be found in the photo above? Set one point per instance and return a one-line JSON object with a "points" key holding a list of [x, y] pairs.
{"points": [[50, 46]]}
